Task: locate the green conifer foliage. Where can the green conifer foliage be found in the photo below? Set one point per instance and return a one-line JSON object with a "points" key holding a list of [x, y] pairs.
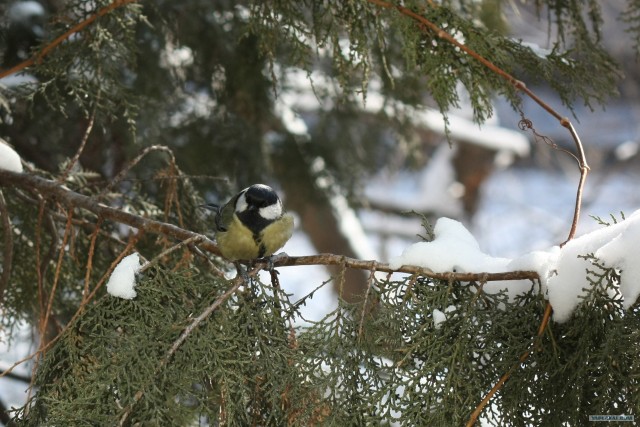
{"points": [[246, 364], [196, 348]]}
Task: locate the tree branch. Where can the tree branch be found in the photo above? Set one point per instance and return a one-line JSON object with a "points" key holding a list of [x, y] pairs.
{"points": [[519, 85], [63, 195], [581, 158]]}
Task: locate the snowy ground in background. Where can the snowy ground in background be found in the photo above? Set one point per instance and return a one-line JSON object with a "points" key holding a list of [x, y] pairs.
{"points": [[526, 210], [521, 211]]}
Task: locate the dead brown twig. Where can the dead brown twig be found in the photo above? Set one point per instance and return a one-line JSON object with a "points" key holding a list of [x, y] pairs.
{"points": [[83, 144], [137, 160], [92, 248]]}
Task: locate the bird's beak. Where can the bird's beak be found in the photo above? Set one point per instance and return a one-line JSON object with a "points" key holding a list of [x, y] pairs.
{"points": [[210, 206]]}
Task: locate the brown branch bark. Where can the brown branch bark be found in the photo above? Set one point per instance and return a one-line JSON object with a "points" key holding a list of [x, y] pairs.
{"points": [[63, 195], [52, 189]]}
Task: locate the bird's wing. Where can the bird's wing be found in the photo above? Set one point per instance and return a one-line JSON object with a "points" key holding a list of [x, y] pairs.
{"points": [[224, 215]]}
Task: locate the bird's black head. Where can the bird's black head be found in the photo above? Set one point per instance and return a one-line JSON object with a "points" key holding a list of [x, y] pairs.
{"points": [[257, 206], [260, 196]]}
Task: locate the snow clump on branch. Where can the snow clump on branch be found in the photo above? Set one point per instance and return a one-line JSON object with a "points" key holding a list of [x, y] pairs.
{"points": [[9, 159], [561, 270], [122, 281]]}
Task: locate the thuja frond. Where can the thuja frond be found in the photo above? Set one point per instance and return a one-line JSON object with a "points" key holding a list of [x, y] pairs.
{"points": [[420, 352], [614, 220], [632, 18], [344, 28], [94, 68]]}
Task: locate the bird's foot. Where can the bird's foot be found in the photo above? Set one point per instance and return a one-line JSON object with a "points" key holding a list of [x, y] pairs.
{"points": [[273, 259], [242, 272]]}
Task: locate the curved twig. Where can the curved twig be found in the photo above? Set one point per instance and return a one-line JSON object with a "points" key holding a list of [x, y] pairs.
{"points": [[190, 241], [503, 379], [44, 321], [85, 138], [135, 161], [92, 248], [519, 85], [582, 161]]}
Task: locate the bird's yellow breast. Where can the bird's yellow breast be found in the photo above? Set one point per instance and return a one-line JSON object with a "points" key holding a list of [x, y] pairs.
{"points": [[275, 235], [239, 242]]}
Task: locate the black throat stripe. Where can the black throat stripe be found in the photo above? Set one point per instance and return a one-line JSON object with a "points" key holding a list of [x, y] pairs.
{"points": [[253, 221]]}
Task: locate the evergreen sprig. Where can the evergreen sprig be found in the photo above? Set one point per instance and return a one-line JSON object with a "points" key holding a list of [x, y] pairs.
{"points": [[246, 364], [251, 359]]}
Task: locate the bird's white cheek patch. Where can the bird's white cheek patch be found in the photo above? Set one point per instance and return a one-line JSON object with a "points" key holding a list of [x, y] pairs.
{"points": [[272, 211], [241, 203]]}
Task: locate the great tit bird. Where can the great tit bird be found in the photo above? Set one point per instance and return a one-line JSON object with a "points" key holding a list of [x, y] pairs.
{"points": [[252, 224]]}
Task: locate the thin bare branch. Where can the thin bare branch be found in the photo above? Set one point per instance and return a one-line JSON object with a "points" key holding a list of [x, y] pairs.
{"points": [[70, 198], [63, 195], [85, 138], [62, 251], [190, 241], [92, 248], [442, 34], [365, 305], [135, 161], [503, 379]]}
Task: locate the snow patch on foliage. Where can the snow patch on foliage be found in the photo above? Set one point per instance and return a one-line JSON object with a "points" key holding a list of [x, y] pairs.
{"points": [[562, 271], [122, 281], [453, 249], [9, 159]]}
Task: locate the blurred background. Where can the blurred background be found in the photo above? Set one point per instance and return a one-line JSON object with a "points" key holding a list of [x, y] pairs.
{"points": [[351, 165]]}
